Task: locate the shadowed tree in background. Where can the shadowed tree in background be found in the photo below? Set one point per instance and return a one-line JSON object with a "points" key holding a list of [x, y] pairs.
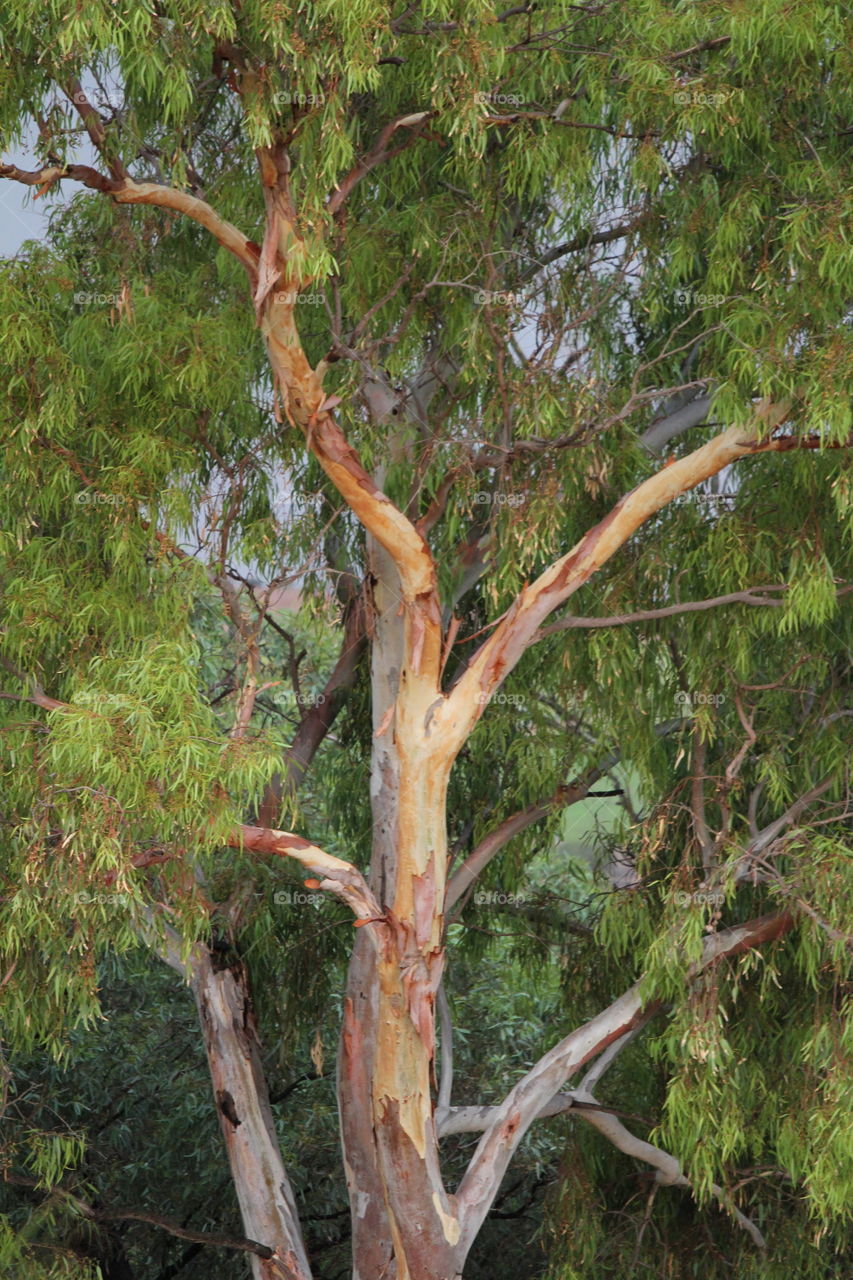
{"points": [[438, 316]]}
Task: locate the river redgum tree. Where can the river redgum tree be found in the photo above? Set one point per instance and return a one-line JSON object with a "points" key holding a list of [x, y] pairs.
{"points": [[440, 314]]}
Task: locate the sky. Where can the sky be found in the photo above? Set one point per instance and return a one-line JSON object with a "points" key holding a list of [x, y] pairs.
{"points": [[20, 218]]}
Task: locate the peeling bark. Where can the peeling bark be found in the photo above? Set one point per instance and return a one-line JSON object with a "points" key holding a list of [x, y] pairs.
{"points": [[267, 1206], [404, 1223]]}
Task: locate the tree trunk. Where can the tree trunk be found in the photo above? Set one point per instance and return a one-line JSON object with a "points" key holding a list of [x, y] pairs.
{"points": [[404, 1223], [266, 1200]]}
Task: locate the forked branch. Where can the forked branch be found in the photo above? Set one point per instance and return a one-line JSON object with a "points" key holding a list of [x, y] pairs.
{"points": [[520, 626], [525, 1101]]}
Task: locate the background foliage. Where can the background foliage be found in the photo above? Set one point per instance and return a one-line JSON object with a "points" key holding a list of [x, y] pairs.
{"points": [[138, 419]]}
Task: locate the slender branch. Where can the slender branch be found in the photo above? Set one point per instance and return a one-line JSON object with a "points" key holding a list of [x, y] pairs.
{"points": [[318, 719], [765, 837], [94, 127], [516, 116], [445, 1088], [500, 836], [452, 1120], [34, 694], [139, 1215], [201, 1237], [378, 153], [771, 875], [585, 240], [668, 1167], [669, 611], [697, 798], [497, 839], [717, 43]]}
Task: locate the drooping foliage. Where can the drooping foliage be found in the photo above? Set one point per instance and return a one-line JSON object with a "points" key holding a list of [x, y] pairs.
{"points": [[585, 220]]}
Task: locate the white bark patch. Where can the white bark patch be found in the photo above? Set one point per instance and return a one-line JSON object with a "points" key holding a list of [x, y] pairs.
{"points": [[360, 1200], [449, 1225]]}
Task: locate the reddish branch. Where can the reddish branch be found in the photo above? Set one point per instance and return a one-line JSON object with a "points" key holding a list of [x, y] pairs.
{"points": [[125, 191], [94, 127], [378, 154], [498, 838]]}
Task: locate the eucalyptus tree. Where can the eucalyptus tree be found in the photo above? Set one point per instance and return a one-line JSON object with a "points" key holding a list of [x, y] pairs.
{"points": [[401, 307]]}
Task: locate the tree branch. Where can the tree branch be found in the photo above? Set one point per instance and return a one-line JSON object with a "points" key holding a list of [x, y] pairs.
{"points": [[524, 1102], [476, 1119], [94, 127], [445, 1088], [125, 191], [760, 841], [36, 694], [669, 611], [668, 1168], [605, 1060], [319, 717], [333, 874], [585, 240], [378, 153], [157, 934], [500, 653], [675, 424], [305, 400], [500, 836], [139, 1215]]}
